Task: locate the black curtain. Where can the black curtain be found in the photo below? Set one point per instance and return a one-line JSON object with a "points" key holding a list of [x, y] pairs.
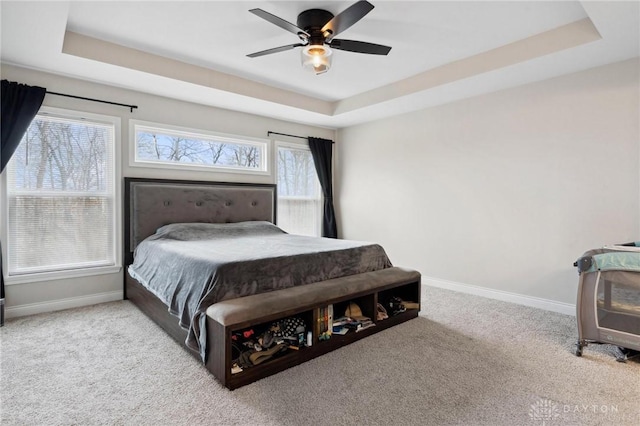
{"points": [[321, 150], [19, 104]]}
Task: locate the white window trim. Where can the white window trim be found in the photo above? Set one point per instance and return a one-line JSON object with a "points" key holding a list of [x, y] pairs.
{"points": [[25, 278], [263, 144], [303, 147]]}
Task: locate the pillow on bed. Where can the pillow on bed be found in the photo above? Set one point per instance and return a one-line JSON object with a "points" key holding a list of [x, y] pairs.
{"points": [[205, 231]]}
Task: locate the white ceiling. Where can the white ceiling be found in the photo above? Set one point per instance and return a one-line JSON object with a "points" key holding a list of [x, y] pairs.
{"points": [[196, 51]]}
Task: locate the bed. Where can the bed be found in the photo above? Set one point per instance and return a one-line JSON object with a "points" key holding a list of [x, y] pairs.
{"points": [[171, 227]]}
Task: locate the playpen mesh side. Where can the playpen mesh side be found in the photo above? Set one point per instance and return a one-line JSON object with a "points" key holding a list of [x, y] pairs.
{"points": [[618, 301], [608, 305]]}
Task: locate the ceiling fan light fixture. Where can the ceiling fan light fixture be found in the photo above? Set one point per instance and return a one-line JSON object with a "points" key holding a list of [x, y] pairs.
{"points": [[316, 29], [316, 58]]}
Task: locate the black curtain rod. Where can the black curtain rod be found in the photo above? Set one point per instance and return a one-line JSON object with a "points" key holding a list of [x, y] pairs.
{"points": [[131, 107], [285, 134]]}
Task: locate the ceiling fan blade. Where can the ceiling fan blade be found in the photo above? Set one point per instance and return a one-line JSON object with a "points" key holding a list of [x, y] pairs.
{"points": [[347, 18], [275, 50], [359, 47], [279, 22]]}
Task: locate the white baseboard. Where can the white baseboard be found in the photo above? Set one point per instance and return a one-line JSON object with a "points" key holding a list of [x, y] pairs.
{"points": [[505, 296], [57, 305]]}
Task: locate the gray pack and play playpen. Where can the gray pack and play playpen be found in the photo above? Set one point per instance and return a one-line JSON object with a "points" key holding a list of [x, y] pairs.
{"points": [[608, 306]]}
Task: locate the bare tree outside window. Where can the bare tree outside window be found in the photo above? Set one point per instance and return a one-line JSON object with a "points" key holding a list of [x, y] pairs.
{"points": [[299, 199], [164, 146], [60, 192]]}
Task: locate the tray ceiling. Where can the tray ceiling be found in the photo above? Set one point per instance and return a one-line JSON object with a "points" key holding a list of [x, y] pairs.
{"points": [[196, 51]]}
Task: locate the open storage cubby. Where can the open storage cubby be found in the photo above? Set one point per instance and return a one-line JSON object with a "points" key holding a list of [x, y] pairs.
{"points": [[407, 293], [365, 294], [367, 305], [244, 338]]}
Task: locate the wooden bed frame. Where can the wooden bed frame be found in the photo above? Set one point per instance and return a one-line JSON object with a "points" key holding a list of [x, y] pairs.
{"points": [[151, 203]]}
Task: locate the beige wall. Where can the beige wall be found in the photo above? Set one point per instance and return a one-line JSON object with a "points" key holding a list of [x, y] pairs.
{"points": [[502, 191], [40, 296]]}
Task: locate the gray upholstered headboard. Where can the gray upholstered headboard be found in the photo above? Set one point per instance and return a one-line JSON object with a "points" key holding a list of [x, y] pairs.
{"points": [[152, 203]]}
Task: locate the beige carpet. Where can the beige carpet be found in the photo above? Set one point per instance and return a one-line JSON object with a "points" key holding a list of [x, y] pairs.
{"points": [[466, 360]]}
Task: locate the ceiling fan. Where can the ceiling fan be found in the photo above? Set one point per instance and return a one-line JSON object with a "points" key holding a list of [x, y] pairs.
{"points": [[316, 29]]}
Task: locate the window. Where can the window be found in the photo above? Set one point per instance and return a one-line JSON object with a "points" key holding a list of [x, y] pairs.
{"points": [[167, 146], [299, 196], [62, 197]]}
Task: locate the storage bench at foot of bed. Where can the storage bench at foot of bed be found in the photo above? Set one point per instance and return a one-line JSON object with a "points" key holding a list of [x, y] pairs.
{"points": [[306, 301]]}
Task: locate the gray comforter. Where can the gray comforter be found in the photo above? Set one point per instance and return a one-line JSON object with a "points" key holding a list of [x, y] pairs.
{"points": [[190, 266]]}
